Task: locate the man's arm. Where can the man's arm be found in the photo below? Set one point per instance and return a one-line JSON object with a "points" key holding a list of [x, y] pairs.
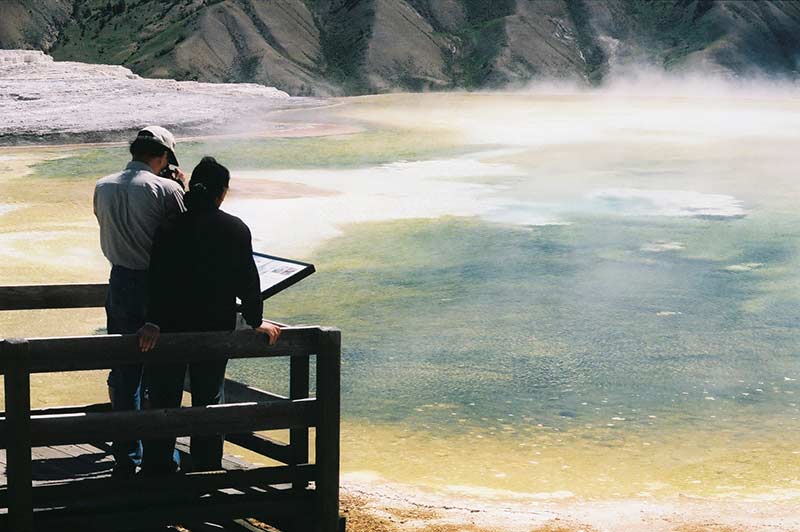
{"points": [[173, 200]]}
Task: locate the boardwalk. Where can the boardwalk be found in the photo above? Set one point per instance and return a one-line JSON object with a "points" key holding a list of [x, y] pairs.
{"points": [[64, 464], [57, 474]]}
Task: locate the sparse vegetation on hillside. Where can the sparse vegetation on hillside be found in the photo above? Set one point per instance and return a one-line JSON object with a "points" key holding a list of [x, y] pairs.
{"points": [[364, 46]]}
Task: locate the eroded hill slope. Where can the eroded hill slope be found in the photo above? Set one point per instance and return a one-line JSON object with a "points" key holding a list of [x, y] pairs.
{"points": [[363, 46]]}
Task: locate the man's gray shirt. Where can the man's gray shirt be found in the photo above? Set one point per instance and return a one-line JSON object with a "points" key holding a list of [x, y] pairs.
{"points": [[129, 207]]}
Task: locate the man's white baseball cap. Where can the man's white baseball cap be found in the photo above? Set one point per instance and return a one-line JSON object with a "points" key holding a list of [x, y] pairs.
{"points": [[161, 136]]}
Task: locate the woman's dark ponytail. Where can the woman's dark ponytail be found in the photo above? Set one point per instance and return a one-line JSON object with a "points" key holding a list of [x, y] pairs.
{"points": [[208, 183]]}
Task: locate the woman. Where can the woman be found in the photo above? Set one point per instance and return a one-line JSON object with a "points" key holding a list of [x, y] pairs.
{"points": [[201, 261]]}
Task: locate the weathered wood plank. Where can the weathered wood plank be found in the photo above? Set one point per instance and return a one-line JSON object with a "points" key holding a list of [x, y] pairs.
{"points": [[87, 459], [238, 462], [263, 445], [45, 466], [237, 392], [47, 453], [299, 372], [286, 523], [64, 463], [93, 450], [79, 353], [140, 490], [52, 296], [244, 526], [165, 423], [16, 353], [183, 446], [216, 507], [75, 409], [327, 441]]}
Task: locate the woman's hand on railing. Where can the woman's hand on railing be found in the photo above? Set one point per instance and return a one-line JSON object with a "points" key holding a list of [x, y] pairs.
{"points": [[270, 329], [148, 336]]}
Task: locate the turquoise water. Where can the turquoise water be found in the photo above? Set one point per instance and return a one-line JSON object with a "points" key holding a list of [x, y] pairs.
{"points": [[542, 325], [537, 322], [565, 336]]}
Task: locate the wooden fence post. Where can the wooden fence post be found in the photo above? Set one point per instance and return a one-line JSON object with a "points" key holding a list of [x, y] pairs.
{"points": [[327, 444], [16, 356], [298, 389]]}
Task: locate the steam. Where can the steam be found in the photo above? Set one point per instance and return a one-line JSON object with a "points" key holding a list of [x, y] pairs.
{"points": [[643, 79], [645, 144], [675, 203]]}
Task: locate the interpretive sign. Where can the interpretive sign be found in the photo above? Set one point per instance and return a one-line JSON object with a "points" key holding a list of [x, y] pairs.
{"points": [[277, 273]]}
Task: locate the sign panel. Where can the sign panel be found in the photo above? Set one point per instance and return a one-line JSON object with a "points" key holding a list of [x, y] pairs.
{"points": [[277, 273]]}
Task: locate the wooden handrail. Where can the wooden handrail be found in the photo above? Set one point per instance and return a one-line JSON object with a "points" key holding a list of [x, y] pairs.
{"points": [[235, 392], [30, 297], [66, 429], [78, 353]]}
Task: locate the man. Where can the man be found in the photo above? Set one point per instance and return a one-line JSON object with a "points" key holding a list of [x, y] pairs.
{"points": [[129, 207]]}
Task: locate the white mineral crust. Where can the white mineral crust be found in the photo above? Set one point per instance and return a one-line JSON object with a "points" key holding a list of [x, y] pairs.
{"points": [[39, 96]]}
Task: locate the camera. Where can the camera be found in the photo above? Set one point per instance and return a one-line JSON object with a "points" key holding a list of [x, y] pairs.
{"points": [[171, 172]]}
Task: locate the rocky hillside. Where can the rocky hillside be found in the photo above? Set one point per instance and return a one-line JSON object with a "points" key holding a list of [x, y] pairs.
{"points": [[362, 46]]}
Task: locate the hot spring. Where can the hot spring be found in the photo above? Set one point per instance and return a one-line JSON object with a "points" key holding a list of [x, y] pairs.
{"points": [[543, 294]]}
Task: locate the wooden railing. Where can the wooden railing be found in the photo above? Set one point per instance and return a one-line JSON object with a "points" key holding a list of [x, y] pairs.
{"points": [[283, 496]]}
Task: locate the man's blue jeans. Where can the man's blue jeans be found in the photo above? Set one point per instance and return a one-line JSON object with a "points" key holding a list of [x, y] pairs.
{"points": [[125, 312]]}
